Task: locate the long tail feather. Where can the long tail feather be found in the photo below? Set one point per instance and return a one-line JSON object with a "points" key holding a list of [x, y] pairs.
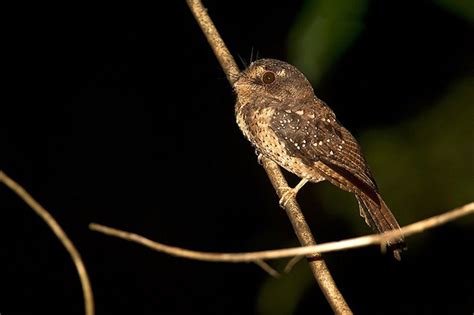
{"points": [[380, 219]]}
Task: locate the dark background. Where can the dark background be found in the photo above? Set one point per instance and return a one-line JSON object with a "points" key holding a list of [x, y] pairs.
{"points": [[122, 116]]}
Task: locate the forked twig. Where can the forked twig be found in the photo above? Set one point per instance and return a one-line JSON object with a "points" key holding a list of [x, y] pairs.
{"points": [[292, 263], [265, 266]]}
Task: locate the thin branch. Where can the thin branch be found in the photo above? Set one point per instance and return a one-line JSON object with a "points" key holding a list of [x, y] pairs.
{"points": [[223, 55], [318, 266], [60, 234], [292, 263], [267, 268], [373, 239]]}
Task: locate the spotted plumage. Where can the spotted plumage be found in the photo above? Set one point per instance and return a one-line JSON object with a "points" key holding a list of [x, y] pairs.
{"points": [[280, 115]]}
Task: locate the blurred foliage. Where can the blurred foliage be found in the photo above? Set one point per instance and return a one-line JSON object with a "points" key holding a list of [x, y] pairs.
{"points": [[438, 147], [424, 165], [463, 8], [281, 296], [322, 32]]}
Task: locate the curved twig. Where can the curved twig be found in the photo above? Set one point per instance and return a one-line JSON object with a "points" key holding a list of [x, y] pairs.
{"points": [[373, 239], [60, 234]]}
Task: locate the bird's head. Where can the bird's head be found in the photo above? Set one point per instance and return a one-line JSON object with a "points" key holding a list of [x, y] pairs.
{"points": [[272, 79]]}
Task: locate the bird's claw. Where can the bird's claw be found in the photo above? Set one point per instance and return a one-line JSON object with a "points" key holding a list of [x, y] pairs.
{"points": [[291, 192], [286, 196], [259, 156]]}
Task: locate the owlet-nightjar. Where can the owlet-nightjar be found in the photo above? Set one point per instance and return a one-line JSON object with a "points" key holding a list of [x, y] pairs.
{"points": [[281, 116]]}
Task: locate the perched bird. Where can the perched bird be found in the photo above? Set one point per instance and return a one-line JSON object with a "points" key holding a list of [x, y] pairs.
{"points": [[280, 115]]}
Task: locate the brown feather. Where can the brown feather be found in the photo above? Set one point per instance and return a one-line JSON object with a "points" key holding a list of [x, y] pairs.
{"points": [[286, 122]]}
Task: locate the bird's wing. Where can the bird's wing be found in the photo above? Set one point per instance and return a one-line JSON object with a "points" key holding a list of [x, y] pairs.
{"points": [[317, 138]]}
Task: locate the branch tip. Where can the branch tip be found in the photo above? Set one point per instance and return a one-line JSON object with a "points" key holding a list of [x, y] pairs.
{"points": [[60, 234]]}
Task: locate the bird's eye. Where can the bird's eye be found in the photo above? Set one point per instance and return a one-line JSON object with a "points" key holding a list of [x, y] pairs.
{"points": [[268, 77]]}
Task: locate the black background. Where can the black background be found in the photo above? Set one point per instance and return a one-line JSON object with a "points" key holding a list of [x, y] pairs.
{"points": [[122, 116]]}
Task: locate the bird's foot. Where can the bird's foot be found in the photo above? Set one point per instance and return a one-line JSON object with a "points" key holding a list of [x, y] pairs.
{"points": [[259, 157], [290, 193], [287, 195]]}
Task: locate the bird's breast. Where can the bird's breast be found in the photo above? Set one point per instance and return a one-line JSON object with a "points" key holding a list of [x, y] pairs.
{"points": [[255, 124]]}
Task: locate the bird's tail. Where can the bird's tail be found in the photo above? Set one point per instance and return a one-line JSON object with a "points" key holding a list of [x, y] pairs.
{"points": [[380, 219]]}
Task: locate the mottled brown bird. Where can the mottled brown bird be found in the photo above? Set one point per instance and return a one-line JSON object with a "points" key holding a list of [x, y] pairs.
{"points": [[280, 115]]}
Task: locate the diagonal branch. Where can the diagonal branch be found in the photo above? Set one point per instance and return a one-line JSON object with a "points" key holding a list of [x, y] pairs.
{"points": [[374, 239], [60, 234], [318, 266]]}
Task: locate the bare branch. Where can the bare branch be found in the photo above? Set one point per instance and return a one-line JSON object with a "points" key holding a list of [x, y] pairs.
{"points": [[374, 239], [215, 41], [267, 268], [60, 234], [292, 263], [318, 266]]}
